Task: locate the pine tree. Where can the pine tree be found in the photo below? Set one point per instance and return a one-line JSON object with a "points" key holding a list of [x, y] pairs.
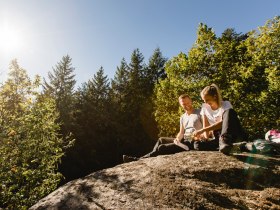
{"points": [[155, 70], [98, 90], [153, 73], [136, 81], [61, 87], [94, 132], [99, 86], [130, 94], [120, 83]]}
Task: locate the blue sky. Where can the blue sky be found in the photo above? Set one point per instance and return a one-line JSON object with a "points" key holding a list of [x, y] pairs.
{"points": [[99, 33]]}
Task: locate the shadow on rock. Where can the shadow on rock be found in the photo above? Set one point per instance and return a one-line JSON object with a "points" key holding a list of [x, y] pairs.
{"points": [[219, 199], [114, 182], [248, 179], [75, 200], [268, 162]]}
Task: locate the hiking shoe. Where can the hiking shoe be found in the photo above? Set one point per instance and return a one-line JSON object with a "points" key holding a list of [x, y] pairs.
{"points": [[225, 145], [250, 147], [237, 148], [244, 147], [127, 159], [225, 149]]}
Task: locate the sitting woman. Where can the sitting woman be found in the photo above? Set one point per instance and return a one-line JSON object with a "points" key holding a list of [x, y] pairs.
{"points": [[219, 121]]}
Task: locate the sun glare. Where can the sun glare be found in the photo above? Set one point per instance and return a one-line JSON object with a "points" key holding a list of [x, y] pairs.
{"points": [[10, 39]]}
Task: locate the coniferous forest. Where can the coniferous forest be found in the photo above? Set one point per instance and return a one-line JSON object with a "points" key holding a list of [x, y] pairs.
{"points": [[52, 132]]}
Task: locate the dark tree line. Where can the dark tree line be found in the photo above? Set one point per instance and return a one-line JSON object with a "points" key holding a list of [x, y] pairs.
{"points": [[106, 118]]}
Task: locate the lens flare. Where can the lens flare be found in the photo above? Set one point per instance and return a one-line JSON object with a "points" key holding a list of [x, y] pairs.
{"points": [[10, 39]]}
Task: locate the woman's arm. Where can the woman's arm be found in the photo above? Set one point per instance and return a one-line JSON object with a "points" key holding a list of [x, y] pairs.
{"points": [[215, 126], [205, 124], [207, 127]]}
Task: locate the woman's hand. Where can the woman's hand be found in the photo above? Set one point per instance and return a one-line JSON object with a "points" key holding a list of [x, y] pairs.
{"points": [[200, 137], [197, 133]]}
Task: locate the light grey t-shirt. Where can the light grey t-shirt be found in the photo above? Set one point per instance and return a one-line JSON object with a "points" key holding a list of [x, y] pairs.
{"points": [[191, 122]]}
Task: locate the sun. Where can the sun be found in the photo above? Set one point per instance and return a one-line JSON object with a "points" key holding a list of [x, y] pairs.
{"points": [[10, 39]]}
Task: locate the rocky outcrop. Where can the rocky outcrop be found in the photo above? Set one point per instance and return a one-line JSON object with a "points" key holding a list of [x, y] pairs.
{"points": [[187, 180]]}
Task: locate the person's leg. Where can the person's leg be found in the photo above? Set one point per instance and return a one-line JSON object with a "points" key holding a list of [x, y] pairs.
{"points": [[191, 144], [232, 126], [171, 148], [231, 131], [153, 153], [212, 145], [160, 141]]}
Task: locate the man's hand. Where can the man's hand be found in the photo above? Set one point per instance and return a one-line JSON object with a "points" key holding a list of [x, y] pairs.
{"points": [[176, 140]]}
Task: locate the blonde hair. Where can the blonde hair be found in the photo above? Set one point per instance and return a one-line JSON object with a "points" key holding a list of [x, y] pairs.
{"points": [[214, 91]]}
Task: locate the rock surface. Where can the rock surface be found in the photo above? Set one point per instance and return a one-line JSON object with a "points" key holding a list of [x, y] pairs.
{"points": [[187, 180]]}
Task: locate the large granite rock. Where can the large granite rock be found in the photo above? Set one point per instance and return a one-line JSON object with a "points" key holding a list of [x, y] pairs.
{"points": [[187, 180]]}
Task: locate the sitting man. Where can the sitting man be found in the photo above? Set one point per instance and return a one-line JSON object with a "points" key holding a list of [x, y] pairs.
{"points": [[189, 122]]}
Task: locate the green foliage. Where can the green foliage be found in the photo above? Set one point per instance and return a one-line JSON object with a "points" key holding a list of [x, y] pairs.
{"points": [[30, 148], [130, 98], [245, 67], [155, 69], [180, 79], [111, 119], [132, 89], [61, 87], [261, 77], [119, 84], [93, 129]]}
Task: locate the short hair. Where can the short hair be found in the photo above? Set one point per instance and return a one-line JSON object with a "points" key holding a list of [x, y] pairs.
{"points": [[212, 90], [184, 96]]}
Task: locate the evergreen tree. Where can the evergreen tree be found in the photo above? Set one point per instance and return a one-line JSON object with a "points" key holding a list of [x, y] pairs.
{"points": [[129, 88], [98, 90], [153, 73], [138, 137], [120, 84], [99, 86], [120, 95], [136, 69], [155, 70], [94, 132], [61, 87], [30, 147], [121, 104]]}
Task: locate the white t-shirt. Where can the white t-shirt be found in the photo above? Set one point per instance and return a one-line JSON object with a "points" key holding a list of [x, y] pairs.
{"points": [[191, 122], [214, 116]]}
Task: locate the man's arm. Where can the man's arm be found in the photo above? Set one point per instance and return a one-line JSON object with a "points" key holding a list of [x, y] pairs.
{"points": [[180, 135]]}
